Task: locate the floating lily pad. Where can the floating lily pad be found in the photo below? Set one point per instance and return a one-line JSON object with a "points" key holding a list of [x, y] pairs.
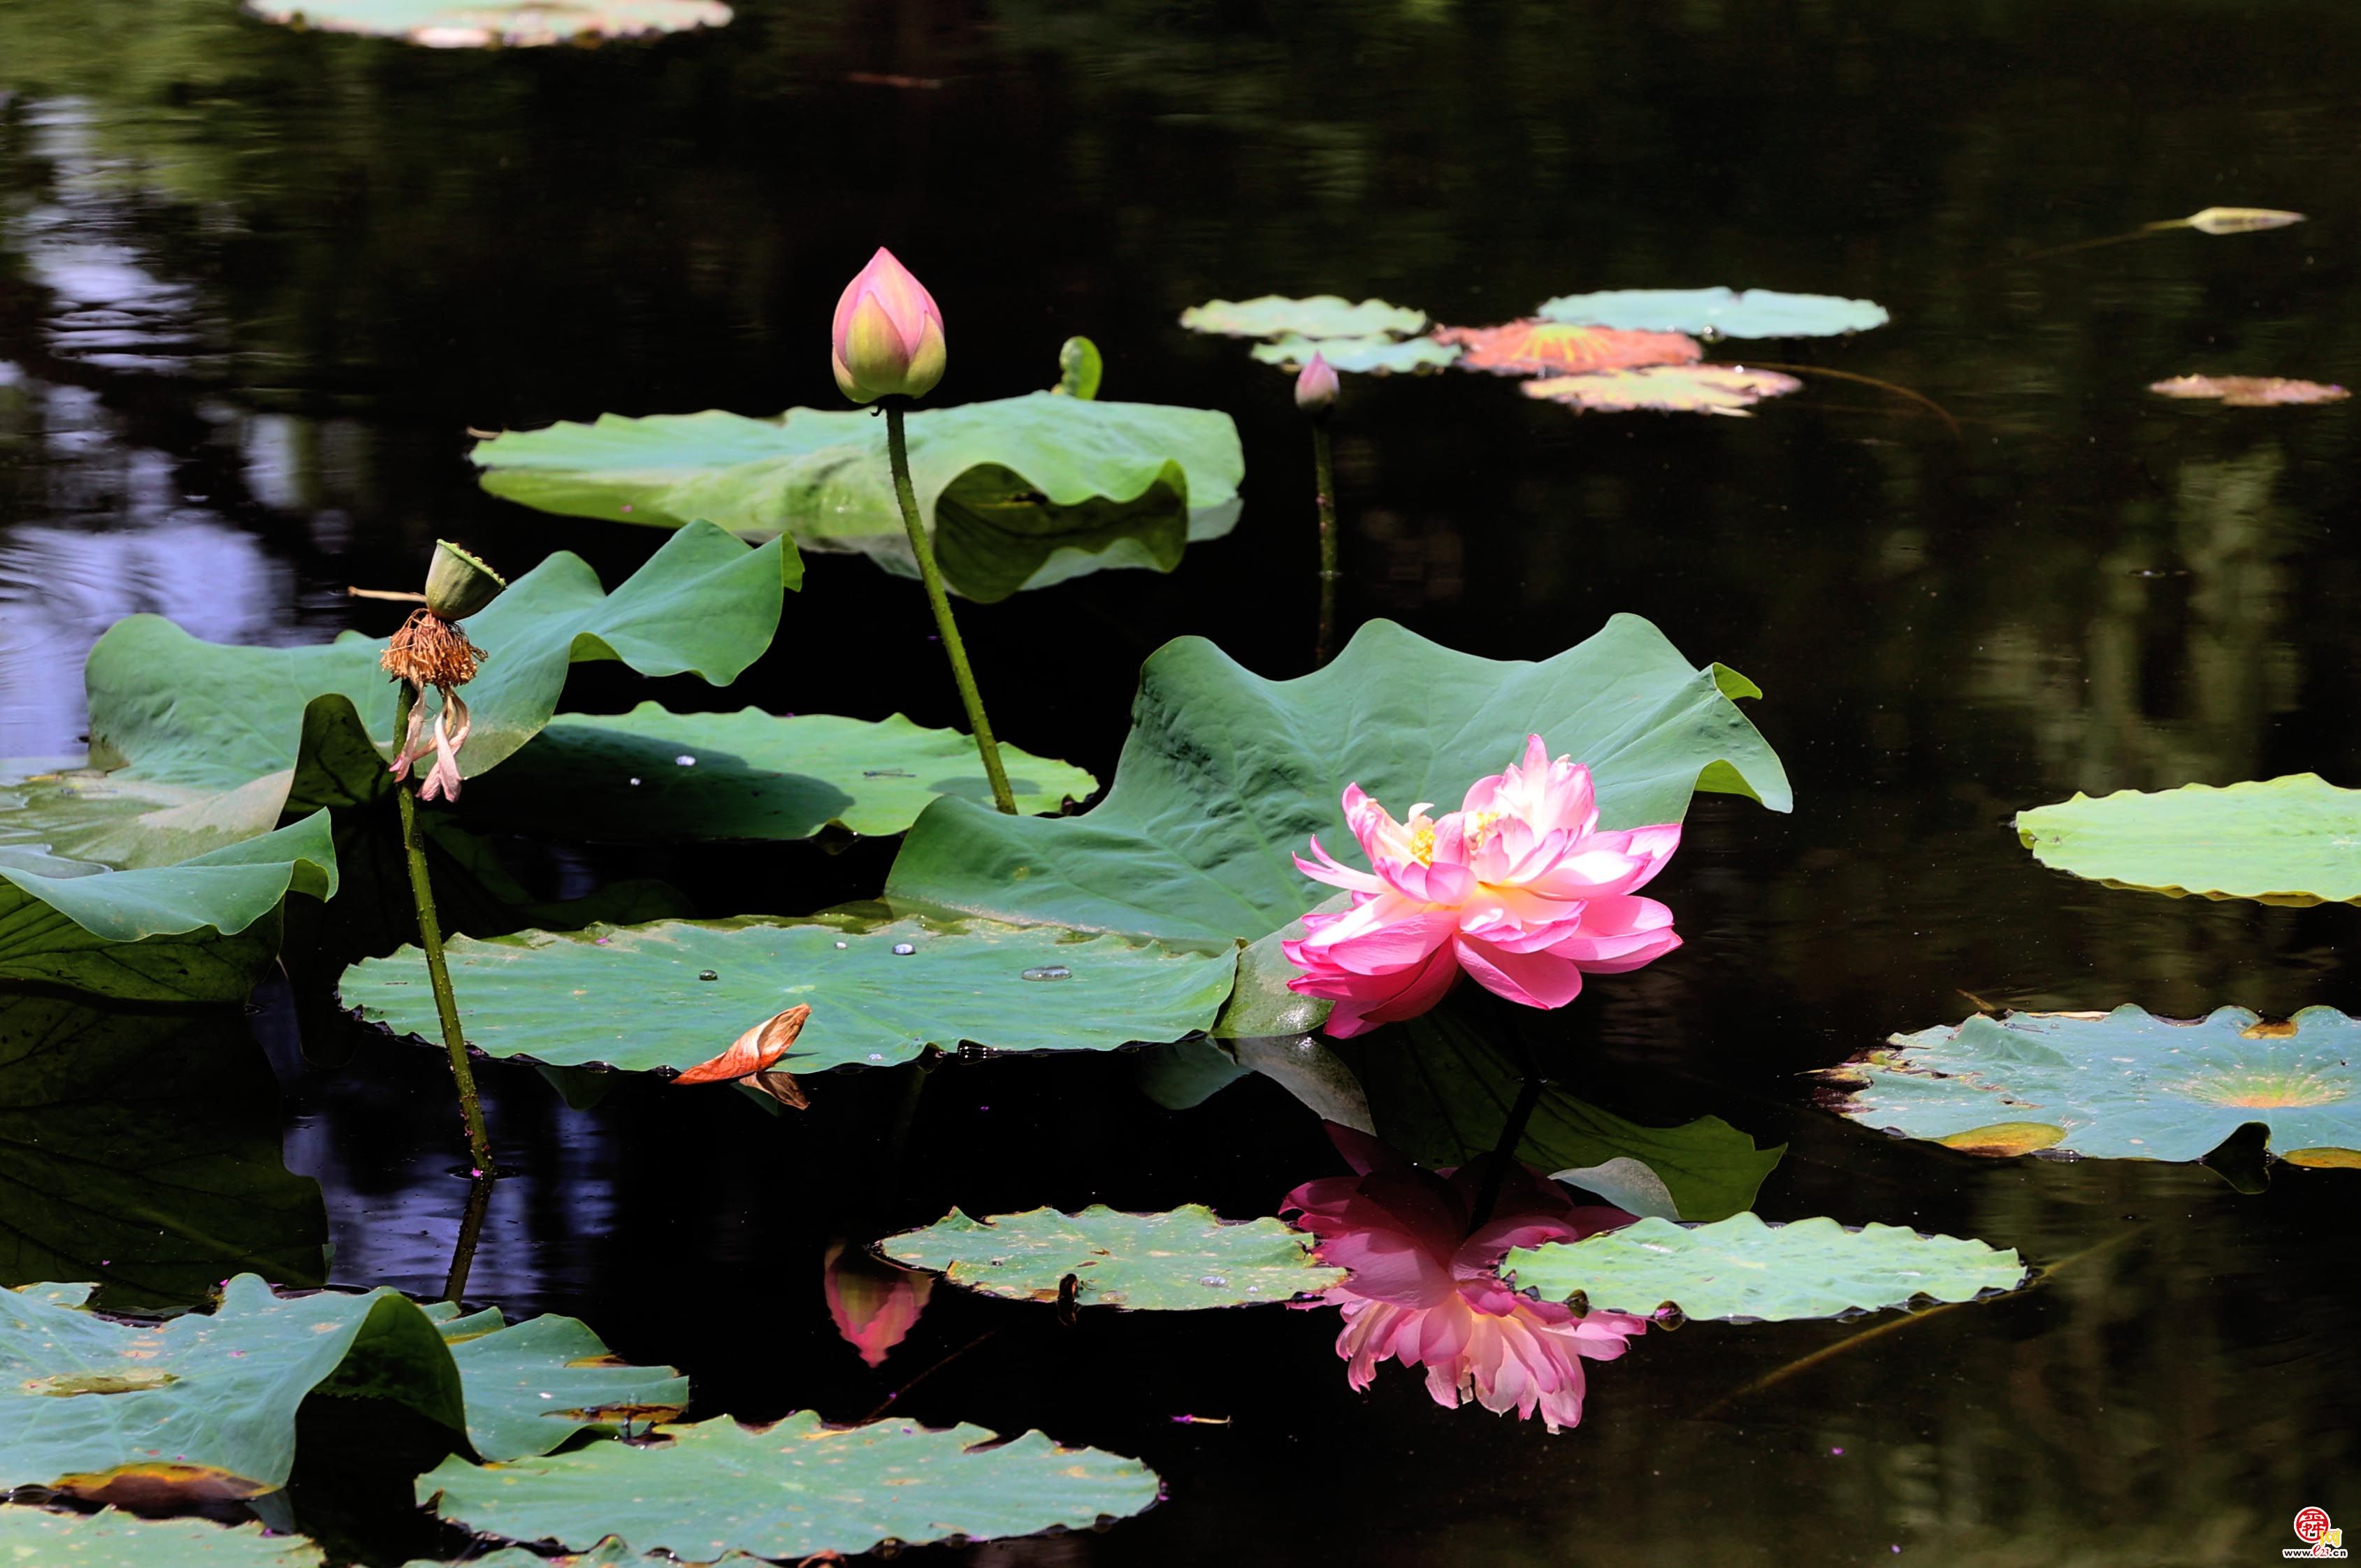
{"points": [[1718, 313], [1671, 388], [1440, 1092], [611, 1552], [1227, 776], [2119, 1085], [2250, 392], [634, 997], [1360, 356], [1178, 1261], [455, 23], [530, 1385], [1538, 347], [1322, 315], [650, 776], [203, 1406], [1020, 492], [1742, 1268], [240, 736], [2295, 839], [38, 1538], [793, 1490], [141, 1150], [203, 930]]}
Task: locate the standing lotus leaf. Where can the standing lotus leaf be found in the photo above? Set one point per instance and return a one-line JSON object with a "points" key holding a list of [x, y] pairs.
{"points": [[2119, 1085], [791, 1492], [1719, 312], [2295, 839], [38, 1538], [1322, 315], [1177, 1261], [1673, 389], [1742, 1268], [674, 995]]}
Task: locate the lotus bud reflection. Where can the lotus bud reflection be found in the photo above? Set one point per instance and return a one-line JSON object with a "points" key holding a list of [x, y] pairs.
{"points": [[888, 336], [875, 1304], [1423, 1288], [1315, 386], [1517, 887]]}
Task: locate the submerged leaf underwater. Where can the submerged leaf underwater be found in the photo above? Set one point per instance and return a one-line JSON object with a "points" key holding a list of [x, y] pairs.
{"points": [[282, 304]]}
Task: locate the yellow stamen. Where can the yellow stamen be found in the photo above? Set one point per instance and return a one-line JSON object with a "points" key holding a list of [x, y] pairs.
{"points": [[1422, 840]]}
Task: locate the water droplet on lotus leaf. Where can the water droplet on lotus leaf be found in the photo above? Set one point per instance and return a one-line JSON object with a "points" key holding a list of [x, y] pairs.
{"points": [[903, 949], [1048, 971], [1213, 1281], [706, 974], [685, 761], [842, 945]]}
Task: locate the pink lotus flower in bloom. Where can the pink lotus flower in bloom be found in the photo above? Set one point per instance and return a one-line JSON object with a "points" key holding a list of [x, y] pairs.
{"points": [[887, 338], [875, 1304], [1517, 887], [1423, 1291]]}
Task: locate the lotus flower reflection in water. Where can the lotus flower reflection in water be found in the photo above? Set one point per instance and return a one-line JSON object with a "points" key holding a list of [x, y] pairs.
{"points": [[1517, 887], [1423, 1288]]}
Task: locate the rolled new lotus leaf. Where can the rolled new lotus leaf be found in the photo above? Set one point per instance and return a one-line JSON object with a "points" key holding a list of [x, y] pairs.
{"points": [[457, 584]]}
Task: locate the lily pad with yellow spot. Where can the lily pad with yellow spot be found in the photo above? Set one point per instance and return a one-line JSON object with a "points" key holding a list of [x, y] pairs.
{"points": [[1536, 347], [2121, 1085], [1667, 388]]}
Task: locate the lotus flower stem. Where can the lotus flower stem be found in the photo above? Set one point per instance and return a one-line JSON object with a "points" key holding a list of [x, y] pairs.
{"points": [[438, 972], [1504, 1153], [471, 1231], [1324, 476], [898, 452]]}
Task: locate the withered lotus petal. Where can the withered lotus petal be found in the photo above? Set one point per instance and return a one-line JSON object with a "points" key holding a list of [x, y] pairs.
{"points": [[753, 1051], [2250, 392], [1537, 347]]}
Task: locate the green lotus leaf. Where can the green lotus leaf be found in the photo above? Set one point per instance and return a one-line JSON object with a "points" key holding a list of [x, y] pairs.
{"points": [[652, 776], [1441, 1092], [1360, 356], [203, 930], [216, 743], [1227, 776], [635, 997], [1742, 1268], [1718, 313], [1322, 315], [203, 1405], [460, 24], [2120, 1085], [38, 1538], [530, 1385], [1177, 1261], [141, 1150], [2295, 839], [1018, 493], [792, 1490], [609, 1553]]}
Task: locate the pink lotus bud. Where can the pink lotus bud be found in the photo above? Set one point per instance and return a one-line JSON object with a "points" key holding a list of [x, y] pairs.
{"points": [[1315, 388], [888, 336]]}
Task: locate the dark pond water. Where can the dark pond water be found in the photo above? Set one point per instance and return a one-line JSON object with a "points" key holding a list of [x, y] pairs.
{"points": [[256, 286]]}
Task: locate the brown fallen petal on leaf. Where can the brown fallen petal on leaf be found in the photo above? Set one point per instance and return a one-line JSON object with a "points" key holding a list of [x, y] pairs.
{"points": [[1674, 388], [1536, 347], [159, 1488], [2250, 392], [752, 1052], [2239, 220]]}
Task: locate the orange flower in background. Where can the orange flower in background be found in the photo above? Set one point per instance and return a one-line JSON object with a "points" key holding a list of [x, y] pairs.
{"points": [[1535, 348]]}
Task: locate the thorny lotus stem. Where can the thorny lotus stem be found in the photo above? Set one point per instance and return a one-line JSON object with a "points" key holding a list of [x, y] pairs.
{"points": [[898, 452], [430, 937], [1324, 476], [471, 1229]]}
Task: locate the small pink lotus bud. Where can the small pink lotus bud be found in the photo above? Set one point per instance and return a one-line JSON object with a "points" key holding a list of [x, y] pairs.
{"points": [[888, 334], [1315, 389]]}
